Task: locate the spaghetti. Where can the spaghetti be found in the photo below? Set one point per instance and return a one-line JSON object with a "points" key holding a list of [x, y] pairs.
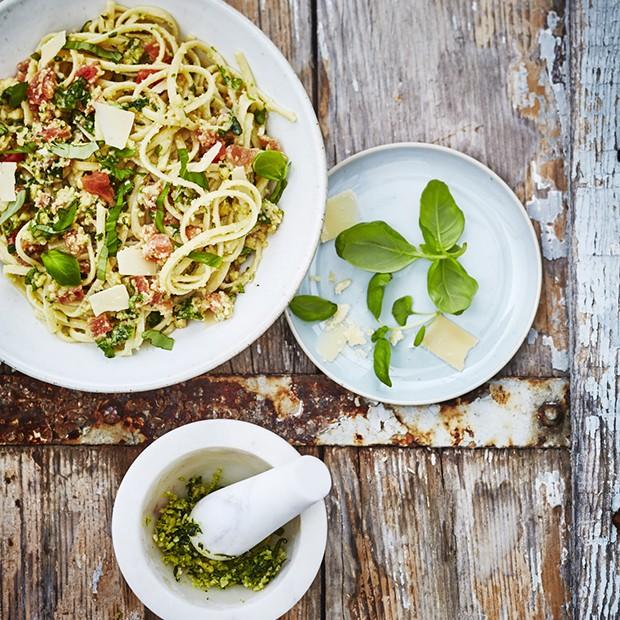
{"points": [[169, 222]]}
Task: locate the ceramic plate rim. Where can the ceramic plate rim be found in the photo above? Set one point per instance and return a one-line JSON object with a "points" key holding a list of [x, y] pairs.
{"points": [[532, 315], [167, 379]]}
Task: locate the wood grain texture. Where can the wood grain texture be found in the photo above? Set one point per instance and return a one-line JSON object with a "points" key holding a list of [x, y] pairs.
{"points": [[447, 534], [486, 78], [55, 543], [289, 24], [595, 192]]}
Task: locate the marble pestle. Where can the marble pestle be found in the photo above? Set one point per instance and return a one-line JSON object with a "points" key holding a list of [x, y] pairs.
{"points": [[236, 518]]}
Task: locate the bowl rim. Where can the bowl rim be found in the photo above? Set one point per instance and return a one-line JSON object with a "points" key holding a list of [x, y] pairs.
{"points": [[136, 486], [532, 315], [263, 323]]}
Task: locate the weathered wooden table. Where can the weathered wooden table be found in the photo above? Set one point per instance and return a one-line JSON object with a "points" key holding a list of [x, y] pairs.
{"points": [[417, 527]]}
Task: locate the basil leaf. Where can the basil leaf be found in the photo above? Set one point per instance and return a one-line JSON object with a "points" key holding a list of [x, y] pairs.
{"points": [[375, 292], [272, 165], [95, 50], [14, 95], [375, 246], [63, 267], [3, 129], [66, 217], [450, 287], [74, 151], [137, 104], [380, 332], [441, 221], [457, 250], [13, 207], [194, 177], [381, 361], [235, 126], [312, 308], [402, 309], [154, 318], [159, 214], [212, 260], [419, 337], [278, 190], [157, 339]]}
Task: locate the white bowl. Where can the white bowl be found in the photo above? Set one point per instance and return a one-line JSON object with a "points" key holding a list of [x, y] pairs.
{"points": [[241, 450], [26, 344]]}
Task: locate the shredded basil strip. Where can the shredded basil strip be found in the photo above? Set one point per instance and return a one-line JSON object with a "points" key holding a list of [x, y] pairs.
{"points": [[207, 258], [13, 207], [157, 339], [102, 263], [14, 95], [198, 178], [112, 241], [29, 148], [74, 151], [63, 267], [95, 50], [159, 215]]}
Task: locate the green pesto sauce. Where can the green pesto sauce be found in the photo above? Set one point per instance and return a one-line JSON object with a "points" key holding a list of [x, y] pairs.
{"points": [[174, 529]]}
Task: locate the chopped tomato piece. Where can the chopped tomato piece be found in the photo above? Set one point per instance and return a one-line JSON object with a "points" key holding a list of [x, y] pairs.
{"points": [[98, 183], [42, 87], [157, 248], [52, 132], [16, 157], [100, 326], [141, 284], [152, 51], [89, 72], [71, 295], [192, 231], [269, 144], [22, 70], [240, 155], [143, 74]]}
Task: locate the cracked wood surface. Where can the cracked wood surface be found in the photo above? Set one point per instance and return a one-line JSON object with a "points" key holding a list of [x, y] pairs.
{"points": [[415, 533]]}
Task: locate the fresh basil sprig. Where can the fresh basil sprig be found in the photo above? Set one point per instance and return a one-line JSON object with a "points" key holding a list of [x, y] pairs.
{"points": [[441, 221], [14, 95], [65, 220], [63, 267], [159, 339], [74, 151], [273, 165], [13, 207], [402, 309], [312, 308], [375, 292], [207, 258], [450, 287], [92, 48]]}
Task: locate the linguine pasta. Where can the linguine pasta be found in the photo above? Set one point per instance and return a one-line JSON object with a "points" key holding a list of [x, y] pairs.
{"points": [[169, 221]]}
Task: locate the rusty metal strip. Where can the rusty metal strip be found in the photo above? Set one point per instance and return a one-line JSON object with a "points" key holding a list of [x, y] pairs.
{"points": [[305, 409]]}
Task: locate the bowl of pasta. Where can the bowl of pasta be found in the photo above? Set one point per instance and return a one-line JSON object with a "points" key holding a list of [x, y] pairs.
{"points": [[162, 188]]}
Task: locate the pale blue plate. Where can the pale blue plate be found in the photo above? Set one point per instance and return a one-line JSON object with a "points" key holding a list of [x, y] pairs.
{"points": [[503, 255]]}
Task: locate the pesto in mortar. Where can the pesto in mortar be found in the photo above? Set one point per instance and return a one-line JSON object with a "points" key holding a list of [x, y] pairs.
{"points": [[174, 529]]}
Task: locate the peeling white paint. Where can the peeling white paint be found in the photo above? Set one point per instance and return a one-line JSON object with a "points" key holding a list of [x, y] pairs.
{"points": [[96, 576], [483, 422], [553, 485], [559, 357], [531, 336]]}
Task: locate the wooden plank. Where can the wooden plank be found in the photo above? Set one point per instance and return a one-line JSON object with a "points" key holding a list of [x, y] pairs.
{"points": [[450, 534], [55, 544], [486, 78], [289, 24], [304, 409], [595, 193]]}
